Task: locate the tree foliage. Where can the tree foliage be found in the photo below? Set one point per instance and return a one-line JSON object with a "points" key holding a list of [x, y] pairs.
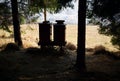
{"points": [[5, 16], [52, 6], [107, 14], [106, 8], [27, 10]]}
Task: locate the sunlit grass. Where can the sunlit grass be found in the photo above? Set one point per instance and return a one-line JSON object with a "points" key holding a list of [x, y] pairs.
{"points": [[30, 36]]}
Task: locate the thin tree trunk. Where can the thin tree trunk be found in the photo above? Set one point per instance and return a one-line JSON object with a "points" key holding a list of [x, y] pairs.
{"points": [[16, 24], [45, 11], [80, 62], [45, 14]]}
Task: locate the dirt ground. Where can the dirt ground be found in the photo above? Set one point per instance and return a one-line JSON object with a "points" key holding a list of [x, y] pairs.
{"points": [[30, 65]]}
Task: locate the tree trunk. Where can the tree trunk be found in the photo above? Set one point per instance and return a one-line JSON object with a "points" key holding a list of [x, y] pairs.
{"points": [[45, 10], [80, 62], [16, 24], [45, 14]]}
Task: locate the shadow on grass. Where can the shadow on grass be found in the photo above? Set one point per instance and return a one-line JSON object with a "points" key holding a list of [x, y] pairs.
{"points": [[31, 65], [46, 51], [72, 75]]}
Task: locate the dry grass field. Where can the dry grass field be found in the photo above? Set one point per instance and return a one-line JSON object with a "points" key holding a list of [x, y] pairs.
{"points": [[30, 36], [93, 38]]}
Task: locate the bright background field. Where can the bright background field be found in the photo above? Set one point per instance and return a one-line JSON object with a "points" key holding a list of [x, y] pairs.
{"points": [[30, 36]]}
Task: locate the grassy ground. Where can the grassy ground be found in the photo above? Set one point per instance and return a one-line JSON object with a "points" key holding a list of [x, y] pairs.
{"points": [[50, 65], [32, 64]]}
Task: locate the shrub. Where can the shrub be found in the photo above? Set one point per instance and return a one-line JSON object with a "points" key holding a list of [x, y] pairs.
{"points": [[11, 47], [99, 49], [70, 46]]}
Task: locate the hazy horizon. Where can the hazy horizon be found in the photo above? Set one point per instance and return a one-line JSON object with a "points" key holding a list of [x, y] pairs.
{"points": [[69, 15]]}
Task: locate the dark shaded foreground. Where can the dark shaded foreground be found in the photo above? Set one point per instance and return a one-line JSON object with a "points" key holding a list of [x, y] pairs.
{"points": [[52, 65]]}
